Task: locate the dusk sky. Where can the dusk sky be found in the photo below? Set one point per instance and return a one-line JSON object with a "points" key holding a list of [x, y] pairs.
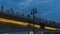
{"points": [[47, 9]]}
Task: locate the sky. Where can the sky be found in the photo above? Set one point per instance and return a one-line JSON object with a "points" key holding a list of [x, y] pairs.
{"points": [[47, 9]]}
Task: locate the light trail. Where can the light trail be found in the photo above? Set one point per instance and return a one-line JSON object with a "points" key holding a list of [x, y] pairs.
{"points": [[17, 22], [13, 22], [51, 28], [25, 24]]}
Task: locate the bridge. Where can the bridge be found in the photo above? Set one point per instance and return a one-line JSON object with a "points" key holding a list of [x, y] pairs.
{"points": [[10, 23]]}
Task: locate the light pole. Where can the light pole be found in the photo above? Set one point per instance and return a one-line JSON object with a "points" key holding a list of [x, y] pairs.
{"points": [[33, 12]]}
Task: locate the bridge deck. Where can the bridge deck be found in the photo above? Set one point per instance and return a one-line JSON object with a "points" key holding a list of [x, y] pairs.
{"points": [[15, 27], [22, 19]]}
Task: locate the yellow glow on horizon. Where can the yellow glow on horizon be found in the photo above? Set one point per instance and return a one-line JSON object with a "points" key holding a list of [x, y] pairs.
{"points": [[25, 24], [13, 22], [37, 26], [17, 22], [50, 28]]}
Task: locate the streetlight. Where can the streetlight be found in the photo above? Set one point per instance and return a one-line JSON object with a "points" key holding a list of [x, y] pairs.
{"points": [[33, 12]]}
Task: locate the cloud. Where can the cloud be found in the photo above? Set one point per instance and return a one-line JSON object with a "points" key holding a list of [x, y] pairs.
{"points": [[27, 3], [46, 1]]}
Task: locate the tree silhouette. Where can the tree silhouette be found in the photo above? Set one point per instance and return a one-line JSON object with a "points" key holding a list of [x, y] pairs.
{"points": [[2, 8], [28, 16], [33, 12], [23, 14], [7, 11], [11, 11], [17, 13], [53, 22]]}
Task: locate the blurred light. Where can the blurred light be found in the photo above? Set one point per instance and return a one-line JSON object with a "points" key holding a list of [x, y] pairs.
{"points": [[50, 28], [37, 26], [13, 22], [31, 32], [18, 22], [25, 24]]}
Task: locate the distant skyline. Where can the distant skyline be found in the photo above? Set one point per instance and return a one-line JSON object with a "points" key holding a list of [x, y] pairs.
{"points": [[47, 9]]}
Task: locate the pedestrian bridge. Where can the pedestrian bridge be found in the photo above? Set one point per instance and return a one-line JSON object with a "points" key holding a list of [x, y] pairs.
{"points": [[9, 23]]}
